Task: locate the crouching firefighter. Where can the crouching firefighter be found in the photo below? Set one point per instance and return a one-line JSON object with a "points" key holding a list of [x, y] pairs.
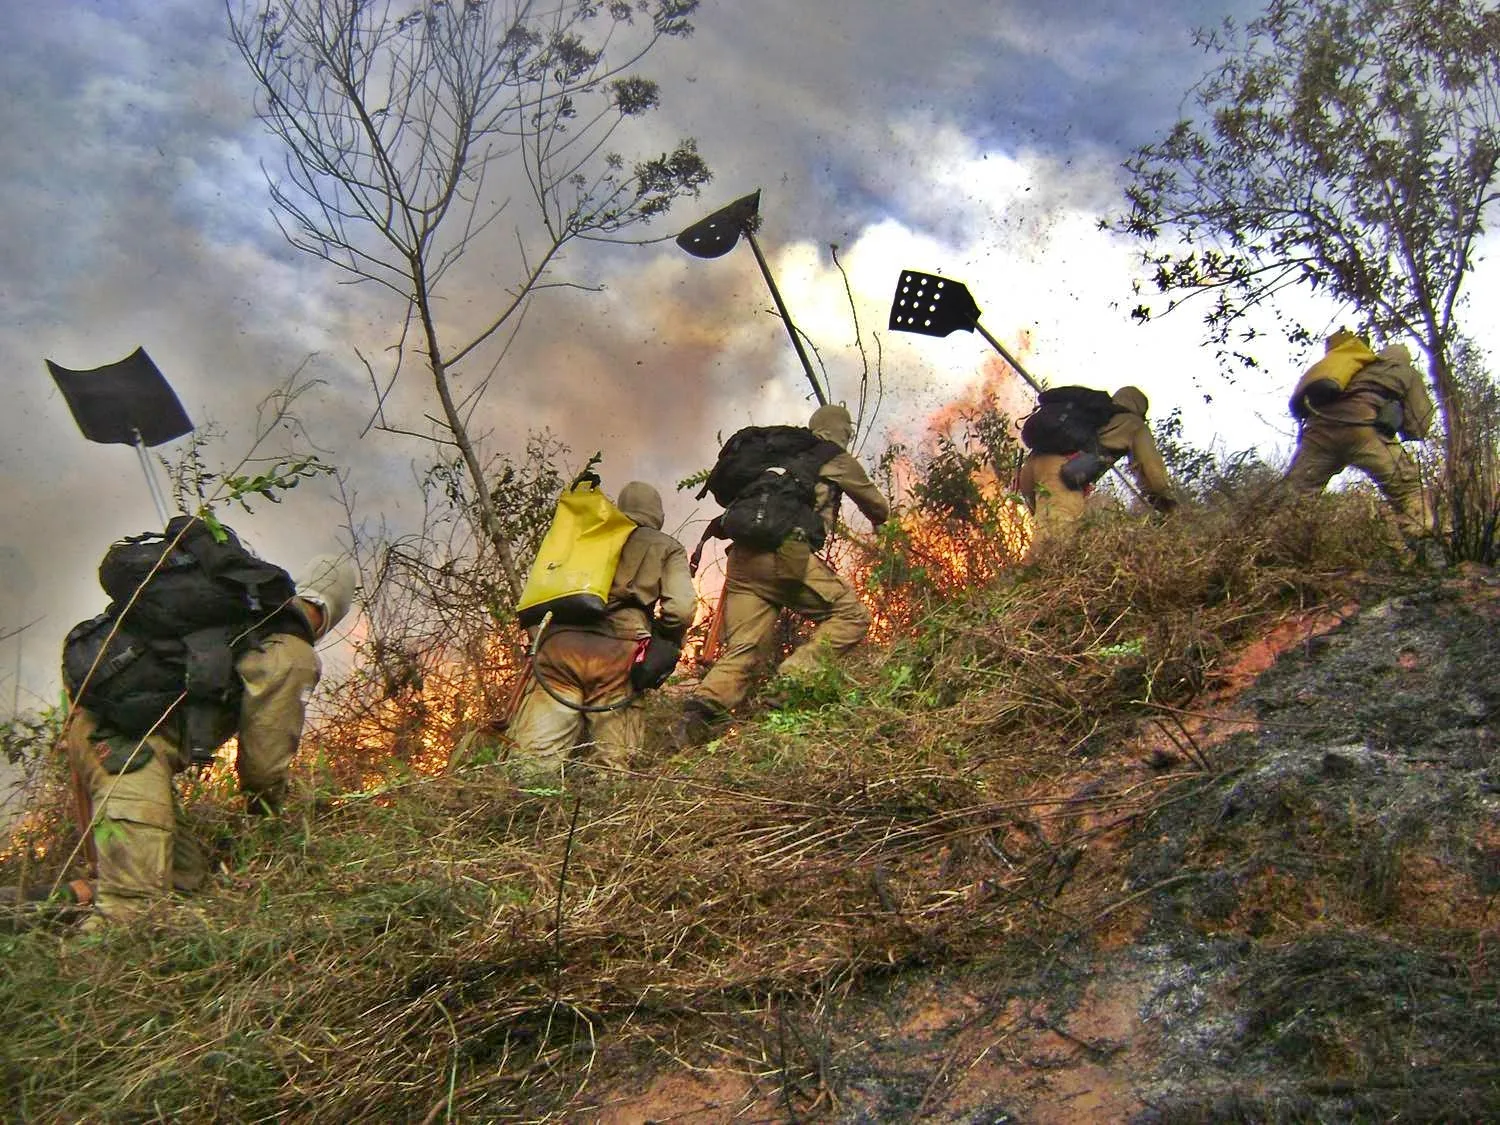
{"points": [[1354, 407], [781, 488], [202, 641], [611, 599], [1074, 437]]}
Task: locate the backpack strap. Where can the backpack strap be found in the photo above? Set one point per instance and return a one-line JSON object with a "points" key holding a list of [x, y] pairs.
{"points": [[714, 530], [1314, 412], [106, 670], [806, 467], [213, 690]]}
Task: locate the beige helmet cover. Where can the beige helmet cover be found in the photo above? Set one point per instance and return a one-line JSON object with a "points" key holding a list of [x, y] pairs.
{"points": [[832, 423], [641, 504], [329, 582], [1132, 399]]}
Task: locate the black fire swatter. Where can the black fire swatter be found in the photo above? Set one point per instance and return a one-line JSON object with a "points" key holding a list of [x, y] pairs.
{"points": [[125, 403], [718, 234], [930, 305]]}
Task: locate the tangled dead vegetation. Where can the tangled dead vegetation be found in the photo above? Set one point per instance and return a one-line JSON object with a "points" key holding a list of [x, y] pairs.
{"points": [[963, 801]]}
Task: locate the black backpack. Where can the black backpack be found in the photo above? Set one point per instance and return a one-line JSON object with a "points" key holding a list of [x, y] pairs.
{"points": [[1067, 420], [189, 580], [765, 479], [163, 658], [184, 687]]}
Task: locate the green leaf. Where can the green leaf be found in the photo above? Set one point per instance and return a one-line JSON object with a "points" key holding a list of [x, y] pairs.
{"points": [[215, 528], [107, 832]]}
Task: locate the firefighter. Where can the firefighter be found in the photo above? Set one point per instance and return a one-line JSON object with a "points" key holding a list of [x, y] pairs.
{"points": [[123, 784], [1354, 407], [582, 695], [1074, 437], [761, 579]]}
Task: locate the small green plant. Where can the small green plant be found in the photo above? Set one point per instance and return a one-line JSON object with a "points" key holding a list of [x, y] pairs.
{"points": [[25, 739], [200, 489], [788, 723]]}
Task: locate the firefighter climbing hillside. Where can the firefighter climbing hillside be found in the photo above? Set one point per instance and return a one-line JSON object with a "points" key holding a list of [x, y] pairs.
{"points": [[1074, 437], [1354, 407], [202, 641], [781, 487], [591, 668]]}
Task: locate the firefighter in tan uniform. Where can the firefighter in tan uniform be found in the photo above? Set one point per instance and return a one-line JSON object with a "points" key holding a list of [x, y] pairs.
{"points": [[582, 695], [1057, 500], [1383, 400], [759, 584], [123, 786]]}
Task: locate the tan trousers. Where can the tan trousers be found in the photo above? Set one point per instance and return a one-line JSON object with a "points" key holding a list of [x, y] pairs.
{"points": [[588, 670], [758, 585], [140, 848], [1055, 507], [1325, 449]]}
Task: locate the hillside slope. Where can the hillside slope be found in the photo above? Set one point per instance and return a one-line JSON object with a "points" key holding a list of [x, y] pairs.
{"points": [[1303, 935], [1074, 851]]}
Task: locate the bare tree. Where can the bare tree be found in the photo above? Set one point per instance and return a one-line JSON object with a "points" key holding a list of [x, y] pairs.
{"points": [[1345, 146], [419, 130]]}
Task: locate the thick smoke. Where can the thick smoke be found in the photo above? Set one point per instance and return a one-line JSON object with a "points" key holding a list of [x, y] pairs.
{"points": [[957, 138]]}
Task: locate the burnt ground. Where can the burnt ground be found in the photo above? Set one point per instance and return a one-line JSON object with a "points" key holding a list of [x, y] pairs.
{"points": [[1303, 932]]}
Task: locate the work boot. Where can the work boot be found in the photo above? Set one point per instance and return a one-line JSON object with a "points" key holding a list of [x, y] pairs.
{"points": [[696, 724], [266, 803]]}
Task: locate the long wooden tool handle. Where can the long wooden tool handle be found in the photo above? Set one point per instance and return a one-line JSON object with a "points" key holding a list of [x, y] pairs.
{"points": [[1010, 359], [786, 317]]}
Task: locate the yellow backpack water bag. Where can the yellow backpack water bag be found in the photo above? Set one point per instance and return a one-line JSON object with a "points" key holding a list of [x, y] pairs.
{"points": [[1325, 380], [575, 565]]}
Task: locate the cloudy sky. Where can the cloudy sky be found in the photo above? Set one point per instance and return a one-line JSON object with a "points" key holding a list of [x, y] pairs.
{"points": [[980, 139]]}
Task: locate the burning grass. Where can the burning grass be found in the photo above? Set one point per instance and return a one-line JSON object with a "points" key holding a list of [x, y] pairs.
{"points": [[451, 946]]}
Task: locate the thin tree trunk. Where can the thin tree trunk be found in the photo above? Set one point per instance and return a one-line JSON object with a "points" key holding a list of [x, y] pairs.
{"points": [[489, 522]]}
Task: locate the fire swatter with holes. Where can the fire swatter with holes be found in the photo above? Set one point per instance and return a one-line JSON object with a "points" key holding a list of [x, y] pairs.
{"points": [[930, 305]]}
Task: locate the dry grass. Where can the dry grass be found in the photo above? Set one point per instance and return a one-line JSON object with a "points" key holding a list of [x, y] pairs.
{"points": [[453, 946]]}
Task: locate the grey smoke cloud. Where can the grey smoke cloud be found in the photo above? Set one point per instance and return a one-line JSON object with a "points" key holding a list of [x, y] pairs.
{"points": [[961, 135]]}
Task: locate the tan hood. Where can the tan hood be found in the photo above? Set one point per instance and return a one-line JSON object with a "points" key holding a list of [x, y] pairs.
{"points": [[832, 423], [641, 504], [1132, 399]]}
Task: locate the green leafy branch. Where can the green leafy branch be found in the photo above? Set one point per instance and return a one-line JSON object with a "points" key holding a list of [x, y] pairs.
{"points": [[283, 474]]}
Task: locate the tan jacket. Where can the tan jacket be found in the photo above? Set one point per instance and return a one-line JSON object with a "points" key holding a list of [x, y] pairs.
{"points": [[1389, 376], [842, 475], [1127, 435], [652, 572]]}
